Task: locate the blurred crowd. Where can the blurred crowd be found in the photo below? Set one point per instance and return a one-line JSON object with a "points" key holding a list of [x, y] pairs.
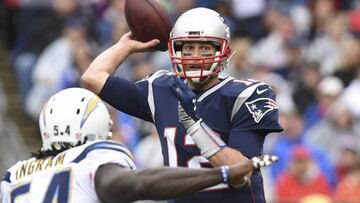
{"points": [[307, 50]]}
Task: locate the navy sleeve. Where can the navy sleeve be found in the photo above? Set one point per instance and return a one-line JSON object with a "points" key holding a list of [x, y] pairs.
{"points": [[257, 116], [248, 142], [127, 97]]}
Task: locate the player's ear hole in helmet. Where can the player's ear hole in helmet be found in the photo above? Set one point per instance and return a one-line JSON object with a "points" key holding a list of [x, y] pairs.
{"points": [[73, 117]]}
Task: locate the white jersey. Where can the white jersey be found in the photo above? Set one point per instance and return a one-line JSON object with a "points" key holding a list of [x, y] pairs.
{"points": [[67, 177]]}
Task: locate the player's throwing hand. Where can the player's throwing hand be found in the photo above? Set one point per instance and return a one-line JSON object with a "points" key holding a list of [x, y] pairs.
{"points": [[135, 45]]}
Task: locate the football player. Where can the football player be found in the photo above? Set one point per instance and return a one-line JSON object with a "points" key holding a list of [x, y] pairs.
{"points": [[77, 164], [219, 121]]}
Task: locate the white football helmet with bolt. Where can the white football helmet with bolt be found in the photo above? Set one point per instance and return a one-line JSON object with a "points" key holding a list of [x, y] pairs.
{"points": [[73, 116]]}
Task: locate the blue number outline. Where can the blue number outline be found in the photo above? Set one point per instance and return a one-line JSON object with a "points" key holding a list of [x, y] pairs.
{"points": [[60, 181], [21, 189]]}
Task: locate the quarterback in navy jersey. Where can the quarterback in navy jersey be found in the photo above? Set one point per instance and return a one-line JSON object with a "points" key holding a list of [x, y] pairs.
{"points": [[202, 120]]}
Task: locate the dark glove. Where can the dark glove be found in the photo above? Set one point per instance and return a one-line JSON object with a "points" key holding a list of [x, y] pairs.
{"points": [[186, 97]]}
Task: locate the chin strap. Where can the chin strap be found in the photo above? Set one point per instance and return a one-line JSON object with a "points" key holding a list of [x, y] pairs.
{"points": [[226, 64]]}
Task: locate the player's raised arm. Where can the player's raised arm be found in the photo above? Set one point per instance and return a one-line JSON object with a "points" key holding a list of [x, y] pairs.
{"points": [[107, 62], [116, 184]]}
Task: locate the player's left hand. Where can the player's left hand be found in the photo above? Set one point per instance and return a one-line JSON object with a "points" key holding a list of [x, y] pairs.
{"points": [[242, 169], [186, 97], [136, 46], [264, 160]]}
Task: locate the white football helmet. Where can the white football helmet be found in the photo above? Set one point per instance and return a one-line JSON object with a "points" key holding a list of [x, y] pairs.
{"points": [[71, 115], [199, 24]]}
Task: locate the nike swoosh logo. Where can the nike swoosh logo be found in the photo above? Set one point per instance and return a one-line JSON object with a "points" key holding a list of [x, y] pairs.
{"points": [[261, 91]]}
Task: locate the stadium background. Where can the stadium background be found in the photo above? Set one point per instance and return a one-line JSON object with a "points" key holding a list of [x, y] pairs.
{"points": [[307, 50]]}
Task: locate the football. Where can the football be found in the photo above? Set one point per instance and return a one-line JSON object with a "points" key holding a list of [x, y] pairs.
{"points": [[147, 20]]}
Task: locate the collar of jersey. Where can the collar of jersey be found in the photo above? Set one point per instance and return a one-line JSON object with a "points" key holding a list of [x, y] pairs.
{"points": [[214, 88]]}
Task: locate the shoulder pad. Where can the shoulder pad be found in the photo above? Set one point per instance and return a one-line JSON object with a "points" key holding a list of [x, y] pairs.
{"points": [[150, 78], [105, 144]]}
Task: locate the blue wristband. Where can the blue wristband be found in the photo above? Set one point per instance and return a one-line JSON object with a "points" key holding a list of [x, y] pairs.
{"points": [[225, 173]]}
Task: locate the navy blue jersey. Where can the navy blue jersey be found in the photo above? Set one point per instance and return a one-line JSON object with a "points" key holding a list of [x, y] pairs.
{"points": [[241, 112]]}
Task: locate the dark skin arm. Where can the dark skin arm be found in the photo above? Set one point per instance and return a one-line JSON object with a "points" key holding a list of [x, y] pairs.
{"points": [[229, 156], [114, 183]]}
